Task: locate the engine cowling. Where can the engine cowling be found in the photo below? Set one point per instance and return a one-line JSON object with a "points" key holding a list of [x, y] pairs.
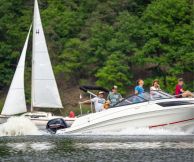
{"points": [[55, 124]]}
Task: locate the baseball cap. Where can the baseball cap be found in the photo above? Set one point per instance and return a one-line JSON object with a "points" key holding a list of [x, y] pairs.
{"points": [[100, 92], [114, 87]]}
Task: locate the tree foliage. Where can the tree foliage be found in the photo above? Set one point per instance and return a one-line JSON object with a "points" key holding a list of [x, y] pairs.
{"points": [[167, 34]]}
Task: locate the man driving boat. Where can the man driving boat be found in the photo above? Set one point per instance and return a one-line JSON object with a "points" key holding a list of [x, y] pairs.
{"points": [[98, 102]]}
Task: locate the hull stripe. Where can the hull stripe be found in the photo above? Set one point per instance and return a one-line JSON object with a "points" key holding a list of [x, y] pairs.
{"points": [[171, 123]]}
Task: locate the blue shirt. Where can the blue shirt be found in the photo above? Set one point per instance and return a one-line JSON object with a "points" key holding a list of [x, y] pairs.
{"points": [[140, 90]]}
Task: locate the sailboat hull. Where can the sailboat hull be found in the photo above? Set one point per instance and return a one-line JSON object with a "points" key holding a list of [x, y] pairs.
{"points": [[3, 119], [38, 120], [41, 122]]}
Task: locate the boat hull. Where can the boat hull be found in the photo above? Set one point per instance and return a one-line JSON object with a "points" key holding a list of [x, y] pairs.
{"points": [[3, 119], [148, 114], [42, 121]]}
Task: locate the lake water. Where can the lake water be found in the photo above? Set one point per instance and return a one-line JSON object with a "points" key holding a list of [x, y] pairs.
{"points": [[128, 145]]}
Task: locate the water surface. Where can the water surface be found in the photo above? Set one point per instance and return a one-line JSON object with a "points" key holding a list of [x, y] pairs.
{"points": [[97, 148]]}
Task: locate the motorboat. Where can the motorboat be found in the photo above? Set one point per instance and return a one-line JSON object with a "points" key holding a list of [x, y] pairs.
{"points": [[44, 91], [148, 109]]}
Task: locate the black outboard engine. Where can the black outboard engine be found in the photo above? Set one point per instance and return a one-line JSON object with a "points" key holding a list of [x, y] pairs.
{"points": [[55, 124]]}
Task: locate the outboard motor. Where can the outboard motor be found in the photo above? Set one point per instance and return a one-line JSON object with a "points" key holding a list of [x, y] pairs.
{"points": [[55, 124]]}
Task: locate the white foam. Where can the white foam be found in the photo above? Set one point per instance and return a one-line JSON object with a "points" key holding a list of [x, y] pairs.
{"points": [[17, 126], [37, 146]]}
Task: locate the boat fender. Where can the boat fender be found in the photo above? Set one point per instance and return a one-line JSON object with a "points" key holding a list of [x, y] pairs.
{"points": [[55, 124]]}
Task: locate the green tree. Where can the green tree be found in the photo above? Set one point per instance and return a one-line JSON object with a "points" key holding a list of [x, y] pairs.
{"points": [[115, 72], [167, 37], [72, 61]]}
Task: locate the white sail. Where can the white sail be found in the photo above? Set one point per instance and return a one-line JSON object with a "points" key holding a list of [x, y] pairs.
{"points": [[44, 88], [15, 102]]}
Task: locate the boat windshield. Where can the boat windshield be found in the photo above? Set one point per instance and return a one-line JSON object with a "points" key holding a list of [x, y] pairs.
{"points": [[145, 96]]}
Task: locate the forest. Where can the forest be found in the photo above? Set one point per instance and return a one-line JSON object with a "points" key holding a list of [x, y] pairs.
{"points": [[102, 40]]}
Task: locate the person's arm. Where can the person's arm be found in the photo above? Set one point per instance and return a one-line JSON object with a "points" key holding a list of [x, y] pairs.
{"points": [[159, 87], [182, 90], [108, 101], [120, 98], [136, 91], [151, 89], [87, 101]]}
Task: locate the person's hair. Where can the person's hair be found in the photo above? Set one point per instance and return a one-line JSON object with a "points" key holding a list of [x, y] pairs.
{"points": [[137, 82], [156, 80], [180, 80]]}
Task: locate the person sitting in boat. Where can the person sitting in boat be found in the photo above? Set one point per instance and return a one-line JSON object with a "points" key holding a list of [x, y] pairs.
{"points": [[114, 96], [98, 102], [139, 89], [71, 115], [179, 92], [155, 87], [106, 106]]}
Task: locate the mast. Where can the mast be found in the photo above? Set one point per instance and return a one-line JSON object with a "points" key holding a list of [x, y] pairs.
{"points": [[32, 76]]}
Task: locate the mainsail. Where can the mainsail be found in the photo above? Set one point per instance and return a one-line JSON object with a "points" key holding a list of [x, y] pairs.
{"points": [[44, 88], [15, 102]]}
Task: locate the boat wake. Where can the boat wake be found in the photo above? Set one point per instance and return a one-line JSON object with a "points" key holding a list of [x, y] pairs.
{"points": [[143, 131], [17, 126]]}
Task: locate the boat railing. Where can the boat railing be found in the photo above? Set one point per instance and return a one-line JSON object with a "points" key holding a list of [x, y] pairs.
{"points": [[147, 96], [144, 97]]}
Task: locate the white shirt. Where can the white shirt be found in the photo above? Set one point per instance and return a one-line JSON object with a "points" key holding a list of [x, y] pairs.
{"points": [[98, 103], [154, 94], [153, 88]]}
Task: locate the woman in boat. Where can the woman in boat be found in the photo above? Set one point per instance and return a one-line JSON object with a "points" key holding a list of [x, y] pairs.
{"points": [[155, 87]]}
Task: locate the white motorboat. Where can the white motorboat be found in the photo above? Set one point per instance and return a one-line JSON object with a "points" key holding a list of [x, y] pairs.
{"points": [[148, 109], [44, 91]]}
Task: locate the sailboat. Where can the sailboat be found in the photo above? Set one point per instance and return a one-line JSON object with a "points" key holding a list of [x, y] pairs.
{"points": [[44, 91]]}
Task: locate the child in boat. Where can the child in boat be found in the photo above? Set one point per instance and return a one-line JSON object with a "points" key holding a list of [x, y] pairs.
{"points": [[179, 92], [139, 89], [71, 114], [106, 106]]}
